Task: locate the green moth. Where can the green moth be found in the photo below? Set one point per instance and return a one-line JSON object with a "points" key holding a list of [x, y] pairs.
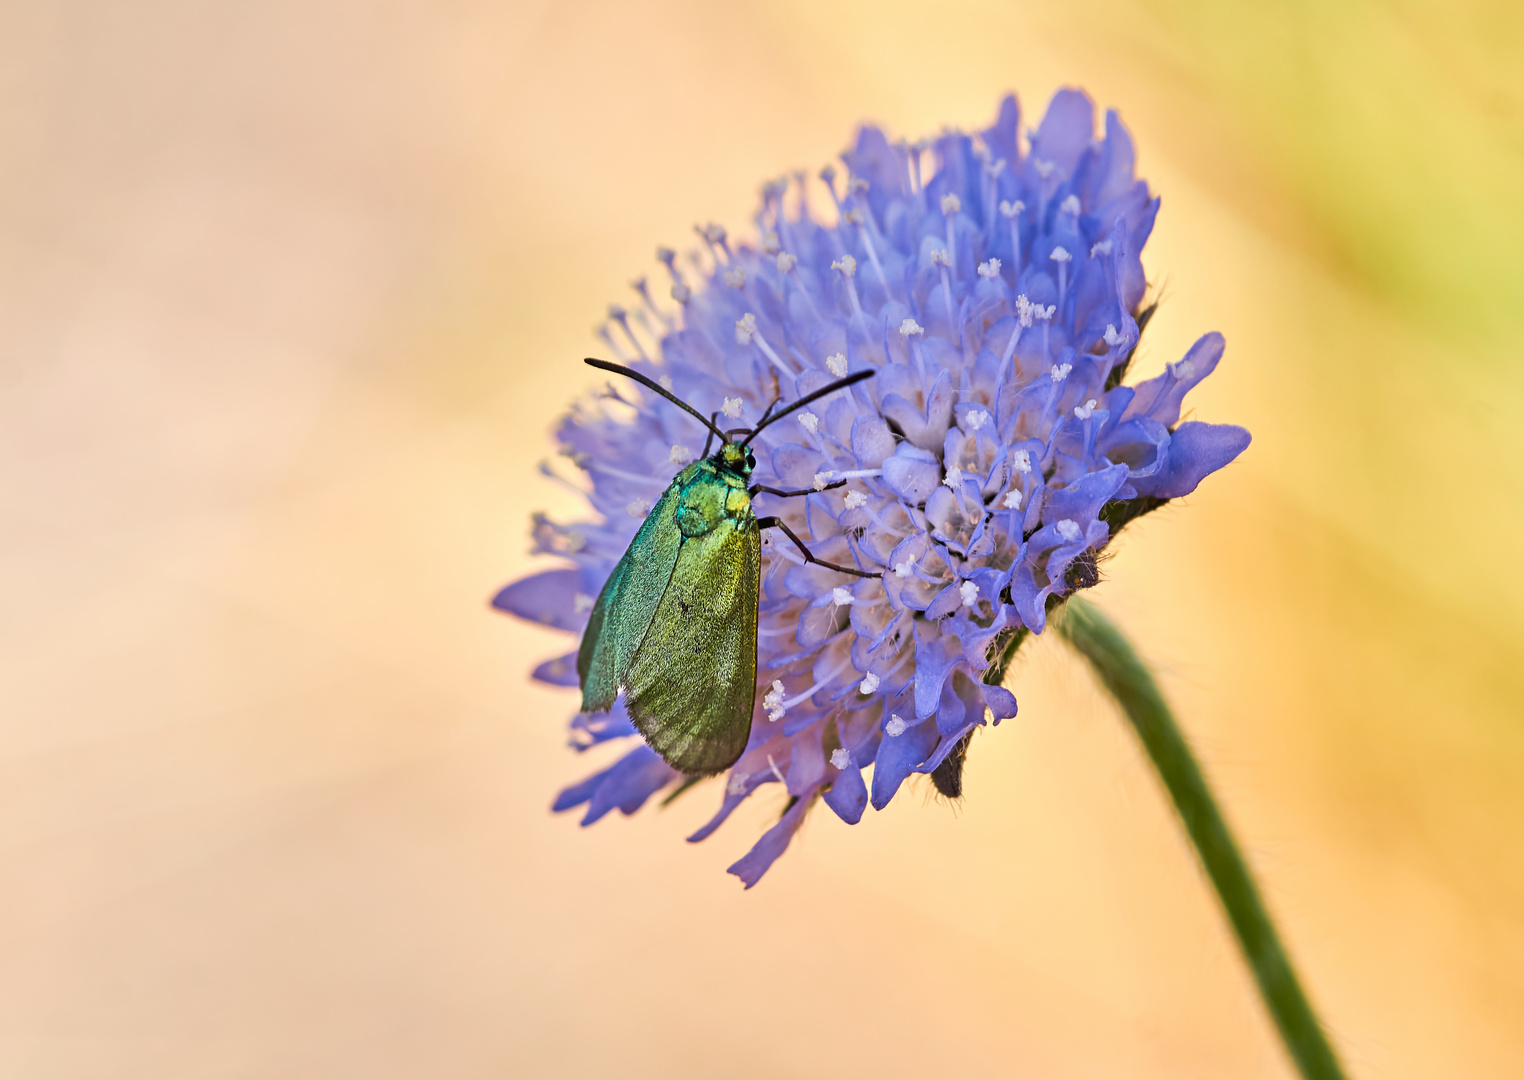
{"points": [[675, 627]]}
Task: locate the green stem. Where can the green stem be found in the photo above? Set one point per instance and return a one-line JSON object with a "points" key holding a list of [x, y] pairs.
{"points": [[1119, 669]]}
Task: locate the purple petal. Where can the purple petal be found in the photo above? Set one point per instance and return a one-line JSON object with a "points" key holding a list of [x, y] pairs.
{"points": [[848, 795], [1195, 451], [549, 598], [751, 866]]}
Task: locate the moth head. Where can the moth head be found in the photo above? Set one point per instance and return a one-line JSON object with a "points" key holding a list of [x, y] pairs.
{"points": [[738, 458]]}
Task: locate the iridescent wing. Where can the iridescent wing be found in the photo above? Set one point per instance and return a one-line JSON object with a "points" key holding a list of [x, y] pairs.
{"points": [[628, 601], [693, 682]]}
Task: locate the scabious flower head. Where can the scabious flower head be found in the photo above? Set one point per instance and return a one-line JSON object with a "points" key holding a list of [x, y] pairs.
{"points": [[993, 283]]}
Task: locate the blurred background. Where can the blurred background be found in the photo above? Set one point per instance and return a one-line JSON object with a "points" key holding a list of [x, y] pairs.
{"points": [[290, 295]]}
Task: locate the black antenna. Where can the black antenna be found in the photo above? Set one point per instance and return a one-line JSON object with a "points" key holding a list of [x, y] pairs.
{"points": [[630, 373], [828, 388]]}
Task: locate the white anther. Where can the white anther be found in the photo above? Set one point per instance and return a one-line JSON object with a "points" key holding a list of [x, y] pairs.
{"points": [[681, 293], [822, 478], [581, 602], [846, 264], [1011, 209], [731, 407], [940, 258], [735, 277], [785, 262], [746, 329], [855, 499], [836, 364], [1060, 372], [772, 701], [970, 593], [1071, 205], [1183, 370], [951, 204], [666, 382], [1012, 500], [954, 477], [809, 421], [1043, 313], [1044, 169], [680, 455], [896, 725], [1100, 247], [1021, 461], [856, 186], [904, 569], [1060, 255], [1085, 411], [841, 597], [1068, 529], [770, 243], [1112, 338], [736, 785], [1024, 309], [996, 167], [853, 216], [910, 326], [976, 419], [840, 759], [638, 508], [990, 269], [869, 683]]}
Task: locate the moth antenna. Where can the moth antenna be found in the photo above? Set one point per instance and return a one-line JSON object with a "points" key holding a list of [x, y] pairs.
{"points": [[712, 418], [828, 388], [652, 384]]}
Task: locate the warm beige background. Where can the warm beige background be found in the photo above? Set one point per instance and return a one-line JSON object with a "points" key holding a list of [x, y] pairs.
{"points": [[289, 296]]}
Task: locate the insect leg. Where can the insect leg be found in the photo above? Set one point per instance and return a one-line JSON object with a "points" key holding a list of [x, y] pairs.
{"points": [[712, 429], [790, 494], [809, 556]]}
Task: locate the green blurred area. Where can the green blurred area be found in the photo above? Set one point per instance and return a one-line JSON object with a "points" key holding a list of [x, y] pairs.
{"points": [[1398, 129]]}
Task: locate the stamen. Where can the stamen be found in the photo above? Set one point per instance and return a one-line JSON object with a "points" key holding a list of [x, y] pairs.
{"points": [[836, 364], [731, 407], [1085, 411], [989, 270], [1062, 257], [846, 264], [841, 597], [786, 262], [951, 204], [1112, 338], [854, 499], [970, 593], [1021, 461], [581, 603], [909, 327], [1071, 205], [976, 419], [896, 726], [770, 243], [638, 508], [1102, 247], [735, 277], [772, 701], [904, 569], [954, 477], [822, 478], [1044, 169], [1060, 372], [747, 334], [1068, 529], [680, 455], [809, 421], [1012, 500]]}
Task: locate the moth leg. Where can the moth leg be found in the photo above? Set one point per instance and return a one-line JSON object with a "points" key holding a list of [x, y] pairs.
{"points": [[809, 556], [712, 418], [790, 494]]}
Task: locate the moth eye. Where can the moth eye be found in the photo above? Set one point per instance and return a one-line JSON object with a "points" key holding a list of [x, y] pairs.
{"points": [[751, 462]]}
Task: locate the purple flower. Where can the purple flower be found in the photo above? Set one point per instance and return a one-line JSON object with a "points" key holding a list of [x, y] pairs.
{"points": [[997, 291]]}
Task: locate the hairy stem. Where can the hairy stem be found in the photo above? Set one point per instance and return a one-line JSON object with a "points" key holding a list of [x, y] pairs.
{"points": [[1124, 675]]}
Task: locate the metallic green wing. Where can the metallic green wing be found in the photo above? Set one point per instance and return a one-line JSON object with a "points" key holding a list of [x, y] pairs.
{"points": [[629, 598], [691, 687]]}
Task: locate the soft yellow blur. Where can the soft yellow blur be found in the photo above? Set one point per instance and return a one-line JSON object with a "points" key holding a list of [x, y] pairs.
{"points": [[290, 294]]}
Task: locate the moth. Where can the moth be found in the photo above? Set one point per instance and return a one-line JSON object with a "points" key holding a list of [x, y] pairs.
{"points": [[675, 627]]}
